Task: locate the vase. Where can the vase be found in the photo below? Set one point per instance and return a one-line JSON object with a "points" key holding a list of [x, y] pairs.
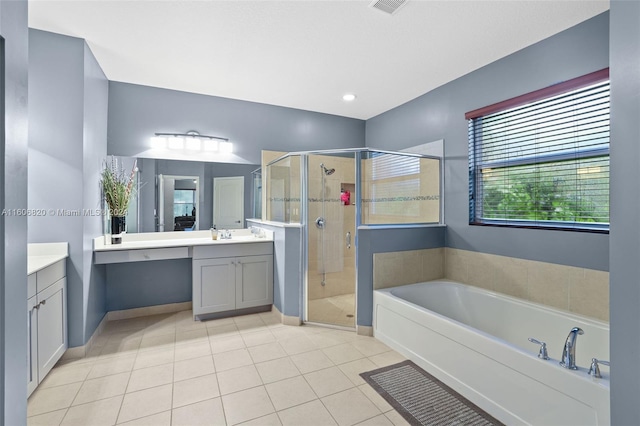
{"points": [[117, 228]]}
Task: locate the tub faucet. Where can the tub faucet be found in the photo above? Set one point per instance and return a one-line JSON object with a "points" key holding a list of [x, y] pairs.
{"points": [[569, 351]]}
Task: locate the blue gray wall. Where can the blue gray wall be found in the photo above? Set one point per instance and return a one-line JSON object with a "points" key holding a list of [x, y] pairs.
{"points": [[67, 145], [137, 112], [625, 212], [13, 195], [371, 241], [439, 114]]}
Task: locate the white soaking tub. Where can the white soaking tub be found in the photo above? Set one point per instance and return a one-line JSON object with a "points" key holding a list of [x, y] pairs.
{"points": [[475, 341]]}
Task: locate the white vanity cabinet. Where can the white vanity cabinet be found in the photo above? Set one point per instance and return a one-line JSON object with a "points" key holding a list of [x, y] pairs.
{"points": [[46, 320], [232, 277]]}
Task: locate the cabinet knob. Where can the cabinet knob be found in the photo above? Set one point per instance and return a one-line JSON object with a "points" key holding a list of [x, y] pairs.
{"points": [[44, 302], [233, 262], [239, 262]]}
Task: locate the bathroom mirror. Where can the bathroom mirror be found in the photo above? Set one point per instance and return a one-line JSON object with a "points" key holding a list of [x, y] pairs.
{"points": [[144, 211]]}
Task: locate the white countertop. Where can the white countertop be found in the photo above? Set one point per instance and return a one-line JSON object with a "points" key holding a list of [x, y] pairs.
{"points": [[41, 255], [152, 240]]}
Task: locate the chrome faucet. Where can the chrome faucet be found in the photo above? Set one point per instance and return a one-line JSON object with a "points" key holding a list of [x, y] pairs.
{"points": [[569, 351]]}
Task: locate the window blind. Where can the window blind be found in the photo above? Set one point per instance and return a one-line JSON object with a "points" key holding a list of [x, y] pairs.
{"points": [[544, 163]]}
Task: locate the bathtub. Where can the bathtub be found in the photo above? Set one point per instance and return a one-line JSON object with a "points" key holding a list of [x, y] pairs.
{"points": [[475, 341]]}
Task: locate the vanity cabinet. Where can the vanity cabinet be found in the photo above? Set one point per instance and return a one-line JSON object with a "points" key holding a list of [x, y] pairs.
{"points": [[232, 277], [46, 321]]}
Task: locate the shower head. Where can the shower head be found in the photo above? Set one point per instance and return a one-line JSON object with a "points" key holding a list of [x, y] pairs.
{"points": [[327, 172]]}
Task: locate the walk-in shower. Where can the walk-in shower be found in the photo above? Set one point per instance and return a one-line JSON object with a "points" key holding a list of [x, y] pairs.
{"points": [[330, 194]]}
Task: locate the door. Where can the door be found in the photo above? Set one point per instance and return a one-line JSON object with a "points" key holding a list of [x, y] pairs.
{"points": [[214, 285], [228, 202], [32, 345], [254, 281], [52, 326]]}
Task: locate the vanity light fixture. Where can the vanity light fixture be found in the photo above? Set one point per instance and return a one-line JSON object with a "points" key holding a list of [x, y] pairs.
{"points": [[191, 141], [349, 97]]}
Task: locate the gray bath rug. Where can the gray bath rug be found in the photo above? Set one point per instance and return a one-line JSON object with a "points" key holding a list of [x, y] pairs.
{"points": [[422, 399]]}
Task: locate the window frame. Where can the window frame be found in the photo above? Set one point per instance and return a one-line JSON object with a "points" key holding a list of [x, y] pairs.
{"points": [[475, 217]]}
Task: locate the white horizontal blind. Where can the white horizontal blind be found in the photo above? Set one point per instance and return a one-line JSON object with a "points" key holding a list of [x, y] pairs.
{"points": [[545, 163]]}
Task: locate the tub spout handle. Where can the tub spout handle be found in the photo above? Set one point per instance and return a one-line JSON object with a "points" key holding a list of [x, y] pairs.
{"points": [[594, 370], [542, 354]]}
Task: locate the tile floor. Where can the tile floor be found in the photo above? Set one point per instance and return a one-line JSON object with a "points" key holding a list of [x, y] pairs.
{"points": [[249, 370], [334, 310]]}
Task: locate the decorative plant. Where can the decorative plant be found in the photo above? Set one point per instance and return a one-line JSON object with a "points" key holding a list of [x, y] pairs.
{"points": [[117, 186]]}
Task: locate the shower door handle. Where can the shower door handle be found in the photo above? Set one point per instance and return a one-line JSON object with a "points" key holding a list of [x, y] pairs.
{"points": [[348, 240]]}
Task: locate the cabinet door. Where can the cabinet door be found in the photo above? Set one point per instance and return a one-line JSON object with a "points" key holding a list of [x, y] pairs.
{"points": [[213, 285], [32, 345], [52, 326], [254, 281]]}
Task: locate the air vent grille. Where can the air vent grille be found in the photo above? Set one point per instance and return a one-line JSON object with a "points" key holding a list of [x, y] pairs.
{"points": [[388, 6]]}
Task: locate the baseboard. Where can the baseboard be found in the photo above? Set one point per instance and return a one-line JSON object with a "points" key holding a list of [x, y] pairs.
{"points": [[149, 310], [364, 330], [287, 319], [78, 352]]}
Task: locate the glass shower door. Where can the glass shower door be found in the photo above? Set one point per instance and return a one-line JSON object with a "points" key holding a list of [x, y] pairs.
{"points": [[331, 274]]}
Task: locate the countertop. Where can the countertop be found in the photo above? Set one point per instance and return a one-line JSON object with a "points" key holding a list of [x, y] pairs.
{"points": [[41, 255], [151, 240]]}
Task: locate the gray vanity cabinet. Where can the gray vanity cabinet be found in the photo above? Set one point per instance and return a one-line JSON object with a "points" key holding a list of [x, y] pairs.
{"points": [[232, 277], [47, 322]]}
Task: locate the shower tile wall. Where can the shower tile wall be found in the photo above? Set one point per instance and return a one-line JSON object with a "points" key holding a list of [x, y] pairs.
{"points": [[340, 219], [579, 290]]}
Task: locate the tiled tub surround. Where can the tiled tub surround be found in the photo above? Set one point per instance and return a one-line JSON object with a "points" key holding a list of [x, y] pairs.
{"points": [[168, 369], [579, 290]]}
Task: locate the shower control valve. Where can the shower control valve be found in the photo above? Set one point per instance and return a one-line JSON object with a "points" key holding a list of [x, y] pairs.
{"points": [[542, 354]]}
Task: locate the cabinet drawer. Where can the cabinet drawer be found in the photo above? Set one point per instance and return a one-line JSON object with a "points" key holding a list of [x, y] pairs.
{"points": [[233, 250], [31, 285], [50, 274], [120, 256]]}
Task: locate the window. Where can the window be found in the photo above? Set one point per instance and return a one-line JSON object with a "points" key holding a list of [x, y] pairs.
{"points": [[542, 159]]}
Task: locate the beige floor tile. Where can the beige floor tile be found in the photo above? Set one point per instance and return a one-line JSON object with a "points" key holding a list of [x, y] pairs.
{"points": [[246, 405], [207, 412], [191, 368], [118, 348], [238, 379], [192, 336], [298, 345], [224, 330], [151, 377], [266, 352], [277, 369], [226, 344], [160, 330], [102, 388], [375, 397], [160, 419], [52, 399], [268, 420], [103, 412], [369, 346], [219, 322], [194, 350], [288, 332], [311, 361], [54, 418], [387, 358], [350, 407], [325, 340], [328, 381], [194, 390], [65, 374], [145, 403], [112, 366], [380, 420], [396, 418], [290, 392], [154, 358], [162, 341], [345, 352], [186, 324], [312, 413], [232, 359], [258, 338], [353, 369]]}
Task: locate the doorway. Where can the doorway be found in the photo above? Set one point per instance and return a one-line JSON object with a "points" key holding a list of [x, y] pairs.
{"points": [[177, 203], [228, 202]]}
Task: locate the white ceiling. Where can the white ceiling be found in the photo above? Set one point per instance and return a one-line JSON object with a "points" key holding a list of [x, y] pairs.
{"points": [[305, 54]]}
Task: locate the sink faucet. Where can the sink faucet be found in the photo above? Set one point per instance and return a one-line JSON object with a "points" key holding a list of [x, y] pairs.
{"points": [[569, 351]]}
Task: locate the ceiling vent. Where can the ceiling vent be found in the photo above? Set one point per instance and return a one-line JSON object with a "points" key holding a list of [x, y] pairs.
{"points": [[388, 6]]}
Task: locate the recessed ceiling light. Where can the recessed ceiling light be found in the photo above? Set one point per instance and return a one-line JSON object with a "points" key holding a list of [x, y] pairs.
{"points": [[349, 97]]}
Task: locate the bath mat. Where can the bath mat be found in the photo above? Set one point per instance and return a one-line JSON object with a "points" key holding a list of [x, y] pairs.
{"points": [[422, 399]]}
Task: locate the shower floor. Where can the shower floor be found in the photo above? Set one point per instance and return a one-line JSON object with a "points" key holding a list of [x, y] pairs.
{"points": [[333, 310]]}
